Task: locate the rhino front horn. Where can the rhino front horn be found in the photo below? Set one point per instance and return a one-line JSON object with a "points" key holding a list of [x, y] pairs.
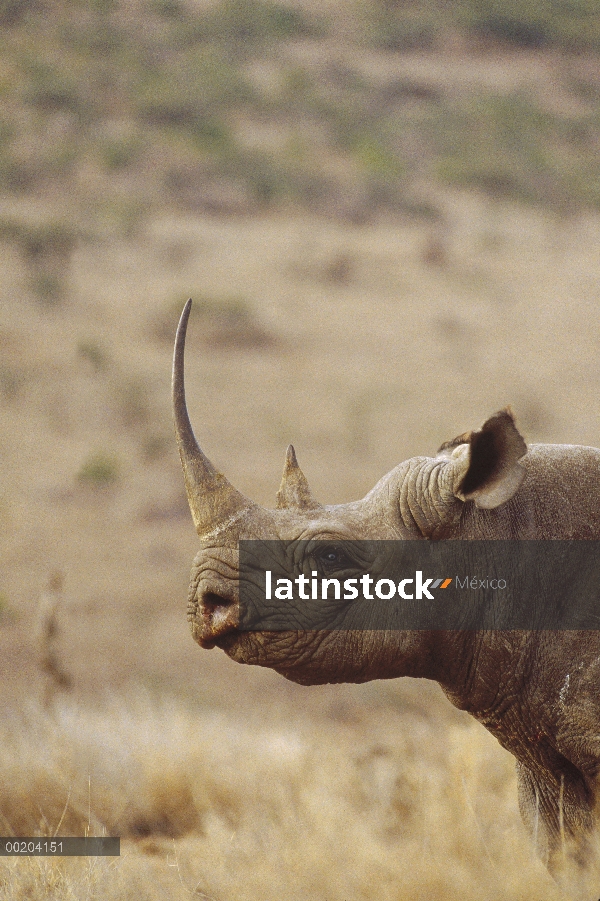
{"points": [[212, 498]]}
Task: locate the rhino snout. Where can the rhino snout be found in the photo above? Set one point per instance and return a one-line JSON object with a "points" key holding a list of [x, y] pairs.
{"points": [[213, 613]]}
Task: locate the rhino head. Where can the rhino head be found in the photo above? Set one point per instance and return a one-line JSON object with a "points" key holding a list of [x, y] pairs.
{"points": [[422, 498]]}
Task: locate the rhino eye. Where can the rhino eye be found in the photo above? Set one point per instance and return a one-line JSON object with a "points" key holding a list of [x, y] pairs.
{"points": [[333, 556]]}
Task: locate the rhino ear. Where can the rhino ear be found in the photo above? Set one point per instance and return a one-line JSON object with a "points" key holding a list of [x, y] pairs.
{"points": [[486, 466]]}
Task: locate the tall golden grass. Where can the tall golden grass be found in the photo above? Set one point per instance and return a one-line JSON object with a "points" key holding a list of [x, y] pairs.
{"points": [[228, 807]]}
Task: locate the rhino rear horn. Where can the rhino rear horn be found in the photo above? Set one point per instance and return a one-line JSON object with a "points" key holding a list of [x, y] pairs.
{"points": [[487, 468], [212, 498], [294, 491]]}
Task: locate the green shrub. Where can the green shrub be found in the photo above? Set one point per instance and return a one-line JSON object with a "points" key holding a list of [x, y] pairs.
{"points": [[89, 349], [12, 381], [169, 9], [52, 87], [99, 470], [571, 24], [119, 153], [12, 12], [401, 26], [134, 402], [511, 147], [191, 90], [257, 21], [48, 287], [155, 447]]}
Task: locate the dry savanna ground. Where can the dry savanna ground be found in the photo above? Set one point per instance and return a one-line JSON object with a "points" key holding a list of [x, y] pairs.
{"points": [[365, 316]]}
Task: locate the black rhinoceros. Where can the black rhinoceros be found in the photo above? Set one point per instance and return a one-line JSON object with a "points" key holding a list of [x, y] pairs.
{"points": [[537, 691]]}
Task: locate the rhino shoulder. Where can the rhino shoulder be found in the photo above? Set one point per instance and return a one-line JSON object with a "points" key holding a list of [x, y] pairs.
{"points": [[559, 497]]}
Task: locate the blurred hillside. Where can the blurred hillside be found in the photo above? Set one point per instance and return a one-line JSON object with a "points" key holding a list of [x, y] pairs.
{"points": [[112, 110], [387, 216]]}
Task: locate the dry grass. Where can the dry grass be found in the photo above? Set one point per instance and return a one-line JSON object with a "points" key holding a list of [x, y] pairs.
{"points": [[239, 808]]}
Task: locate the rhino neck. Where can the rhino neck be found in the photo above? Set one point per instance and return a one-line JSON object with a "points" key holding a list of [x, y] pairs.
{"points": [[484, 673], [427, 505]]}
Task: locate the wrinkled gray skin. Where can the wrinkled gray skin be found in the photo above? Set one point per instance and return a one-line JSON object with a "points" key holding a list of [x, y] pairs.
{"points": [[537, 692]]}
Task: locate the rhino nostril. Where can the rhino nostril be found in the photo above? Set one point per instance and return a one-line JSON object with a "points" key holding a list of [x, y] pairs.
{"points": [[211, 601]]}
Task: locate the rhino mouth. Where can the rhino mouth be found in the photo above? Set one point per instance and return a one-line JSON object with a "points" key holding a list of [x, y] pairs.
{"points": [[271, 649], [208, 635], [228, 640]]}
